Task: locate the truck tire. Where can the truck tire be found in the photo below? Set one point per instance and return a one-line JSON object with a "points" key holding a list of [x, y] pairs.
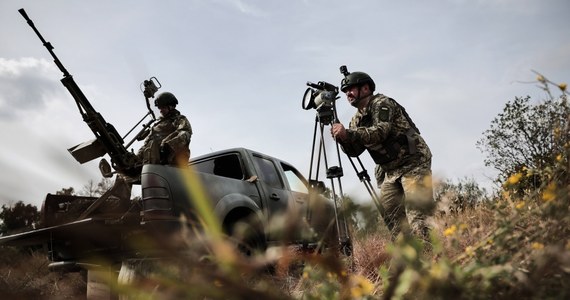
{"points": [[247, 234]]}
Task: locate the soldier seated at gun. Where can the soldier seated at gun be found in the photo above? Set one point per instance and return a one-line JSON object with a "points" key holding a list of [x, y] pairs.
{"points": [[167, 143], [169, 139]]}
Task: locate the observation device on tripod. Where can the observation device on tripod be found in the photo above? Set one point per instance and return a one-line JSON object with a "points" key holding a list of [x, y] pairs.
{"points": [[322, 97]]}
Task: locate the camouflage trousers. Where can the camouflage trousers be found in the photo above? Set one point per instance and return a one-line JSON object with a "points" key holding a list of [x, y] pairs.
{"points": [[407, 200]]}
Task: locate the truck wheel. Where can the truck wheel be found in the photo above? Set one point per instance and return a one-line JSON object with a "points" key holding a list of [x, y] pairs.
{"points": [[248, 236]]}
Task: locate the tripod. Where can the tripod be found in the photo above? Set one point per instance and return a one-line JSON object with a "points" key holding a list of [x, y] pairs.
{"points": [[326, 115]]}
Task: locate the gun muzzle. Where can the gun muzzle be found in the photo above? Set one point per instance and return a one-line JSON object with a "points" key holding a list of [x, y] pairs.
{"points": [[24, 14]]}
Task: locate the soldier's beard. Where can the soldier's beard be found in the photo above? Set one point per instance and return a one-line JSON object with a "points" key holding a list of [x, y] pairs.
{"points": [[356, 100]]}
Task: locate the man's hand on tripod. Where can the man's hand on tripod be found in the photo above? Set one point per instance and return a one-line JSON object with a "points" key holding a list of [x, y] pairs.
{"points": [[338, 132]]}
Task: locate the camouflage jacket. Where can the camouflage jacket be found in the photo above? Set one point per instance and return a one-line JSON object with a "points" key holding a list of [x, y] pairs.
{"points": [[386, 131], [173, 131]]}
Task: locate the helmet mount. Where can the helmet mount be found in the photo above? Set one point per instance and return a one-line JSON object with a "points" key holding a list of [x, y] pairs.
{"points": [[355, 78]]}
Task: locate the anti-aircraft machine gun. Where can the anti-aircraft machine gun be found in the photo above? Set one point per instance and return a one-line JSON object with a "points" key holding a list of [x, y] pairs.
{"points": [[107, 139], [72, 226]]}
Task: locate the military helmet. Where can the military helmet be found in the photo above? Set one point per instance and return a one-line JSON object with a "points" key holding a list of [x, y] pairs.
{"points": [[165, 99], [356, 78]]}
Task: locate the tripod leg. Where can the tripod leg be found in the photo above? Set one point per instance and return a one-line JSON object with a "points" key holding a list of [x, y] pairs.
{"points": [[365, 179], [313, 151]]}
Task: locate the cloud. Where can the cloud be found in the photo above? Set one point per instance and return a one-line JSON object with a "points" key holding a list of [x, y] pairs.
{"points": [[25, 85], [245, 7], [520, 7]]}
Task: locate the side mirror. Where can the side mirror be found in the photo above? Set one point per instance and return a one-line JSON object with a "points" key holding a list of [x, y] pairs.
{"points": [[105, 168]]}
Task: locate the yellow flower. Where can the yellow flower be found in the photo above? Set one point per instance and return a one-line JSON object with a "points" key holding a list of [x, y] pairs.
{"points": [[559, 157], [514, 178], [490, 241], [562, 86], [360, 286], [305, 275], [537, 246], [356, 292], [440, 271], [450, 231], [549, 194], [469, 251], [436, 272], [520, 205], [540, 78]]}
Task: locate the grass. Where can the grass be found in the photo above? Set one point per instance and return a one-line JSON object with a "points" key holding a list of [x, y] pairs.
{"points": [[494, 250], [24, 275], [515, 246]]}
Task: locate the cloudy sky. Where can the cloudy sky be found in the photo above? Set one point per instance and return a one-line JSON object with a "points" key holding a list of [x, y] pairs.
{"points": [[239, 68]]}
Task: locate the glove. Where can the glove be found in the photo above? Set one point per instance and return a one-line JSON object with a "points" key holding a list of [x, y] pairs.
{"points": [[164, 154]]}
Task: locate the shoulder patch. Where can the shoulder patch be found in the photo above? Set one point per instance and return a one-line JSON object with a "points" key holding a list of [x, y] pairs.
{"points": [[384, 113]]}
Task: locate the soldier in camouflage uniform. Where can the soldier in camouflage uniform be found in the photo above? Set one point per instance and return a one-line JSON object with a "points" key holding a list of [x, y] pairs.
{"points": [[402, 157], [169, 139]]}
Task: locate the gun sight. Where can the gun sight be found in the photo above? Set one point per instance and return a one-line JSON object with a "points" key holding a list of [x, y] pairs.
{"points": [[151, 86]]}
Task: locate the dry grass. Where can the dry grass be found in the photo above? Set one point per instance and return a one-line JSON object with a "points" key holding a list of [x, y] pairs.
{"points": [[24, 275], [511, 247]]}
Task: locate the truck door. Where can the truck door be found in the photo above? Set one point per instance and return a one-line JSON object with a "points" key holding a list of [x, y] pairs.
{"points": [[299, 190], [276, 197]]}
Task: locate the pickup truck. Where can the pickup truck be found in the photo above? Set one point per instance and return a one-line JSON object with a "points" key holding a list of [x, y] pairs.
{"points": [[241, 186]]}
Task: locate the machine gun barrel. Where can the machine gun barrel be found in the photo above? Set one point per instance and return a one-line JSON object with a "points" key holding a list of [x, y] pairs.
{"points": [[107, 139], [46, 44]]}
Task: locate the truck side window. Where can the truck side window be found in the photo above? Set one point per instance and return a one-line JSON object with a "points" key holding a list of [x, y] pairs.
{"points": [[226, 166], [268, 171], [296, 181]]}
